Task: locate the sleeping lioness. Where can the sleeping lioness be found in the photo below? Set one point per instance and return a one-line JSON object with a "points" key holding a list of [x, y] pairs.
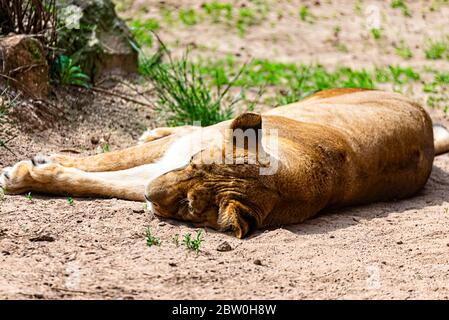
{"points": [[335, 148]]}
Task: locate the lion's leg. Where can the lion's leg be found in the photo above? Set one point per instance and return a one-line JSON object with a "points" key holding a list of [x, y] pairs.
{"points": [[141, 154], [113, 161], [53, 178]]}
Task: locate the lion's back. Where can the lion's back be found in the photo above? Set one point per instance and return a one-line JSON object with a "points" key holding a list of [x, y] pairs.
{"points": [[391, 137]]}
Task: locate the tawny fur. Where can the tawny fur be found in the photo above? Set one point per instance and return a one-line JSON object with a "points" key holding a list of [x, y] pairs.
{"points": [[336, 148]]}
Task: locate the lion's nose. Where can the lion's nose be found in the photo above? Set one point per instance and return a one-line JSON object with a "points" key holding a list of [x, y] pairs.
{"points": [[154, 195]]}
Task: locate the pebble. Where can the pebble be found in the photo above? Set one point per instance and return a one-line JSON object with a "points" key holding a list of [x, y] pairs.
{"points": [[224, 247], [138, 210], [257, 262], [94, 140], [161, 224]]}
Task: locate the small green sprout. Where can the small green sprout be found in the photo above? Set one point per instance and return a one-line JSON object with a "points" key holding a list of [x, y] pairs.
{"points": [[193, 243], [404, 51], [105, 148], [303, 13], [188, 17], [70, 201], [376, 33], [400, 4], [150, 239], [435, 49], [29, 196]]}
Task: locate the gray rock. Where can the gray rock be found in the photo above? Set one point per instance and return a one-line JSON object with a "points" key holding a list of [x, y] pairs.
{"points": [[96, 38]]}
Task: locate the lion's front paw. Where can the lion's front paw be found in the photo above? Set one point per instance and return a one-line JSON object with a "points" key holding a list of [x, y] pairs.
{"points": [[16, 179]]}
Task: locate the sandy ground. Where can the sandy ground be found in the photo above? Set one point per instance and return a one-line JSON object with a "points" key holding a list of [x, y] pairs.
{"points": [[96, 248]]}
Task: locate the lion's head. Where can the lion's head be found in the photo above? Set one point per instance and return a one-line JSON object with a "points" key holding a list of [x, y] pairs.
{"points": [[228, 195]]}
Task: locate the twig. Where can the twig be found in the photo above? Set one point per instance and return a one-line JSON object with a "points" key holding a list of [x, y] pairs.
{"points": [[4, 145], [142, 94], [70, 151], [122, 96], [118, 80], [25, 68]]}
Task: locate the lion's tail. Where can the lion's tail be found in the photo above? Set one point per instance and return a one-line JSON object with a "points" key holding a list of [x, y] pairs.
{"points": [[440, 139]]}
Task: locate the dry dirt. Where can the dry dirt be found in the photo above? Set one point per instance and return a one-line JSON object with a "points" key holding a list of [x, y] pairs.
{"points": [[96, 248]]}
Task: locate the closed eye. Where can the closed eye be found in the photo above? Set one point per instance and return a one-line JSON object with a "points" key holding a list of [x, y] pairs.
{"points": [[183, 202]]}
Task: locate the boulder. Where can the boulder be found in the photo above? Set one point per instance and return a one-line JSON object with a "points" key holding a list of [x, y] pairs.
{"points": [[96, 38], [23, 65]]}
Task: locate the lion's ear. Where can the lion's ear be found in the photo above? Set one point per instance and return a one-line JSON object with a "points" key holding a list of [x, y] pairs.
{"points": [[244, 137], [247, 120], [237, 217]]}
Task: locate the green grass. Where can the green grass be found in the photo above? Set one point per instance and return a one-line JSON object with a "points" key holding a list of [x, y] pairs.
{"points": [[438, 102], [358, 4], [142, 31], [295, 81], [304, 13], [105, 148], [166, 15], [29, 196], [287, 82], [402, 5], [436, 90], [188, 17], [193, 244], [70, 201], [246, 17], [435, 50], [187, 91], [240, 18], [376, 33], [184, 95], [441, 78], [403, 51], [396, 75], [218, 11], [150, 239], [299, 81]]}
